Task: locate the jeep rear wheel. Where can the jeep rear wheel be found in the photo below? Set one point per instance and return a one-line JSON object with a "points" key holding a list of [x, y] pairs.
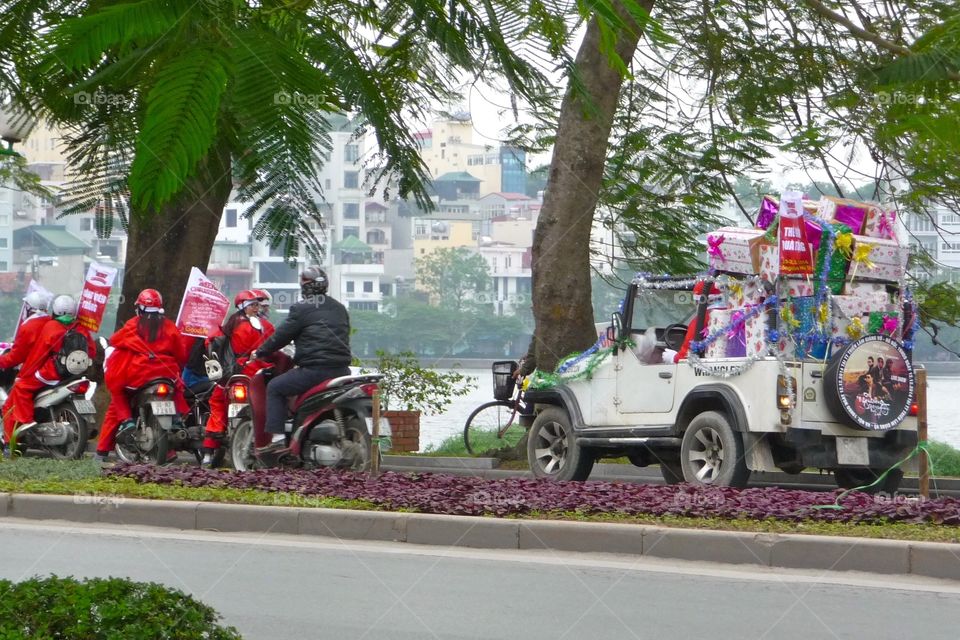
{"points": [[552, 450], [712, 452]]}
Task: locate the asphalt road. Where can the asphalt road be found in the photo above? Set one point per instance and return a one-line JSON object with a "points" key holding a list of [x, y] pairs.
{"points": [[290, 587]]}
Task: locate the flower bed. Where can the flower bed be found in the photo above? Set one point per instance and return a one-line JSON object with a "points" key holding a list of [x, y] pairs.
{"points": [[457, 495]]}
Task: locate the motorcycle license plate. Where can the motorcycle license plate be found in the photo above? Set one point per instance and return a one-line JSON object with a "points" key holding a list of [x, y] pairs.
{"points": [[384, 426], [162, 408], [84, 406], [234, 409]]}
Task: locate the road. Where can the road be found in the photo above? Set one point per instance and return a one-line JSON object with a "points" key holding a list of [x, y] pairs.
{"points": [[293, 587]]}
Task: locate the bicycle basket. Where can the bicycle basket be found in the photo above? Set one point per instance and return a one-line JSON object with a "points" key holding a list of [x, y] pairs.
{"points": [[503, 382]]}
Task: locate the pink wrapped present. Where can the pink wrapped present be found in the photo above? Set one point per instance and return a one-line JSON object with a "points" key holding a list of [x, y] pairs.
{"points": [[877, 259], [797, 287], [879, 223], [876, 291], [735, 250], [755, 334], [719, 321], [741, 293], [848, 212], [856, 310], [769, 262]]}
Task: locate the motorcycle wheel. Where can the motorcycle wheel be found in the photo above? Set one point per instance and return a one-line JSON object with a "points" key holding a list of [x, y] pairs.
{"points": [[357, 437], [149, 443], [241, 447], [77, 437]]}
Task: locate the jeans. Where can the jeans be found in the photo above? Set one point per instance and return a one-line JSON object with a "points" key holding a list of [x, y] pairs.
{"points": [[293, 383]]}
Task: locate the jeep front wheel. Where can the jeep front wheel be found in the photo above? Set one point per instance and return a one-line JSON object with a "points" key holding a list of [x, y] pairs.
{"points": [[552, 450], [712, 452]]}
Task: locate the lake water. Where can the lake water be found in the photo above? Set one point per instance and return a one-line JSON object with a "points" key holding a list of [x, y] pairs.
{"points": [[943, 413]]}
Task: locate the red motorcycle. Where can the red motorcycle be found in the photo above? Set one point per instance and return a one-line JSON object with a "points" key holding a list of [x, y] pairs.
{"points": [[329, 425]]}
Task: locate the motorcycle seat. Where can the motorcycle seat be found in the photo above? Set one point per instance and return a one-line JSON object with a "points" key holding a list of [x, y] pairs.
{"points": [[46, 392], [332, 383]]}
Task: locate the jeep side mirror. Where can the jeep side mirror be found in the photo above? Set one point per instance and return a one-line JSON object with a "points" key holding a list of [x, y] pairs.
{"points": [[615, 330]]}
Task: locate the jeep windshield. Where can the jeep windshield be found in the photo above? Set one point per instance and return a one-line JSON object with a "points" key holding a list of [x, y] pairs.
{"points": [[662, 307]]}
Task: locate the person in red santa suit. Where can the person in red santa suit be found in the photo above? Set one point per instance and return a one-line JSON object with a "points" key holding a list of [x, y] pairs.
{"points": [[148, 346], [36, 305], [247, 330], [39, 370]]}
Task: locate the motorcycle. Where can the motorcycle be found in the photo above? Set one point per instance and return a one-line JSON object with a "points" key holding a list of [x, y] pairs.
{"points": [[329, 425], [63, 416]]}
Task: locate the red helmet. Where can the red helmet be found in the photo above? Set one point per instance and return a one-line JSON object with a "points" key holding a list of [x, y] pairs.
{"points": [[150, 298], [263, 295], [244, 298]]}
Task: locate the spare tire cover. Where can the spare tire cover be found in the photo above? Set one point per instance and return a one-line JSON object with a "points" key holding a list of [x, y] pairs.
{"points": [[870, 383]]}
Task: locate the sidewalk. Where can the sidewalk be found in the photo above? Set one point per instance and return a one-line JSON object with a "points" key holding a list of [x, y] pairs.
{"points": [[927, 559]]}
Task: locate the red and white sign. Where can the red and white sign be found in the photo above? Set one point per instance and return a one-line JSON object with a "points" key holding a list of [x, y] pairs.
{"points": [[96, 292], [202, 308], [796, 253], [31, 288]]}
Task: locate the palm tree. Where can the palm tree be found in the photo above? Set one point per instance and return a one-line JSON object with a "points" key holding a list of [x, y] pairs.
{"points": [[169, 105]]}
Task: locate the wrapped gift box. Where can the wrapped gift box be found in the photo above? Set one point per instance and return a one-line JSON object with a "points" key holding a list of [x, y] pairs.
{"points": [[851, 213], [839, 261], [880, 223], [882, 322], [719, 321], [755, 336], [811, 337], [740, 293], [872, 290], [735, 250], [887, 260], [769, 262]]}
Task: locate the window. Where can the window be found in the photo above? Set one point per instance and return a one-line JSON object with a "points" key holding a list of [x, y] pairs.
{"points": [[231, 218], [951, 247], [3, 265], [326, 183], [351, 231], [351, 180], [351, 210], [4, 220], [921, 223], [363, 305], [86, 224], [506, 262], [368, 286], [3, 243], [950, 218], [351, 153], [474, 160], [278, 272], [234, 256], [350, 284]]}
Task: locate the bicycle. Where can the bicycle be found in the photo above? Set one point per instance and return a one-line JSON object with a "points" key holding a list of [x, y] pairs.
{"points": [[494, 424]]}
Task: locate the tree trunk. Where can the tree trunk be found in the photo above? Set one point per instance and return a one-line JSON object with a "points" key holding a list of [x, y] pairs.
{"points": [[162, 247], [561, 243]]}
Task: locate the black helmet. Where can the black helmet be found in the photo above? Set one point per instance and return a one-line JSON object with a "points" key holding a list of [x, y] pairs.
{"points": [[313, 281]]}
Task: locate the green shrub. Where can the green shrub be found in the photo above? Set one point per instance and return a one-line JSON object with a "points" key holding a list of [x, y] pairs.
{"points": [[98, 608], [944, 459], [20, 469]]}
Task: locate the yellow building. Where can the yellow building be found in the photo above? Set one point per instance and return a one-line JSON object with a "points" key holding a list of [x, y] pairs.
{"points": [[448, 147]]}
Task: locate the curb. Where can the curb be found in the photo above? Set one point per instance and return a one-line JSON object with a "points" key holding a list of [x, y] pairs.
{"points": [[791, 551]]}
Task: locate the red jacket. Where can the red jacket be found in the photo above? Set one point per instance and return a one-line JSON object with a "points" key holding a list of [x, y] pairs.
{"points": [[40, 360], [245, 340], [137, 361], [27, 336]]}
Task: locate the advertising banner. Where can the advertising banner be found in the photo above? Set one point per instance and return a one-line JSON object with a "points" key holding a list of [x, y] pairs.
{"points": [[202, 308], [34, 286], [796, 253], [96, 292]]}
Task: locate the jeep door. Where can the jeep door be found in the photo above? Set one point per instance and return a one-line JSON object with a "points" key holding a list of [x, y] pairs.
{"points": [[644, 388]]}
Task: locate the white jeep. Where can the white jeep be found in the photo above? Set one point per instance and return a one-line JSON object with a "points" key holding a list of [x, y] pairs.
{"points": [[714, 421]]}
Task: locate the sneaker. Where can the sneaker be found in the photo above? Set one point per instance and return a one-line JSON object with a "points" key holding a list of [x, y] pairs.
{"points": [[207, 462], [126, 425], [101, 457]]}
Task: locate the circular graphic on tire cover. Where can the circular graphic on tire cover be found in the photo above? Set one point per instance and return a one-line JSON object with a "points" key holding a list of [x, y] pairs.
{"points": [[870, 383]]}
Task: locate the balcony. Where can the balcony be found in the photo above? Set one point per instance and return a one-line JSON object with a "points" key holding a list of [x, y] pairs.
{"points": [[375, 217], [361, 269]]}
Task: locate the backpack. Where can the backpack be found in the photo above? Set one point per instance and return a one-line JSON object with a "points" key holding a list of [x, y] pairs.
{"points": [[224, 354], [72, 358], [197, 357]]}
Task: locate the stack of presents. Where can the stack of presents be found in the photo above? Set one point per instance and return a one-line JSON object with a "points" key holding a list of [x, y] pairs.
{"points": [[824, 273]]}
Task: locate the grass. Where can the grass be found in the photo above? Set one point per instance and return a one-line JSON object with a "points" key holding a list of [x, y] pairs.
{"points": [[482, 441], [944, 460]]}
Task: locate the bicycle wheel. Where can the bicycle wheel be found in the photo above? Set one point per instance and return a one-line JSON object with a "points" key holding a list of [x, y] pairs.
{"points": [[492, 426]]}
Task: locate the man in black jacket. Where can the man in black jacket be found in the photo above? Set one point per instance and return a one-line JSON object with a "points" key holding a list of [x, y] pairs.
{"points": [[319, 327]]}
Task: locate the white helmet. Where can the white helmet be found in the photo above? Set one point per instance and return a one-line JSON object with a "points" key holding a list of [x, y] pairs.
{"points": [[37, 301], [64, 305]]}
